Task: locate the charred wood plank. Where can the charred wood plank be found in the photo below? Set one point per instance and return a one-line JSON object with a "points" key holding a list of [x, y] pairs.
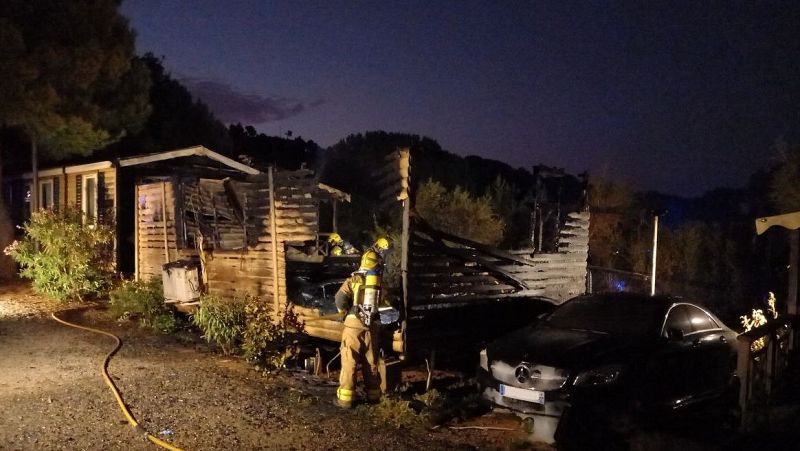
{"points": [[435, 292], [492, 251]]}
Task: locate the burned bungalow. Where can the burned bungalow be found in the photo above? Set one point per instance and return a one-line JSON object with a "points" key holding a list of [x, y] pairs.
{"points": [[194, 206]]}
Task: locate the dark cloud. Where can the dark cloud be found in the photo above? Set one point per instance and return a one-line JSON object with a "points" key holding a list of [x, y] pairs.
{"points": [[232, 106]]}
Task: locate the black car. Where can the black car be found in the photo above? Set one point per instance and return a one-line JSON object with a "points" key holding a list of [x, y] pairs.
{"points": [[617, 355]]}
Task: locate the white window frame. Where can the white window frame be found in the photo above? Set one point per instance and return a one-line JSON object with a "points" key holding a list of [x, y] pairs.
{"points": [[85, 198], [46, 186]]}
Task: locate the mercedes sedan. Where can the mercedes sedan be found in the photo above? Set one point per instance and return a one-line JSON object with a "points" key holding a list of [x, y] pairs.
{"points": [[604, 358]]}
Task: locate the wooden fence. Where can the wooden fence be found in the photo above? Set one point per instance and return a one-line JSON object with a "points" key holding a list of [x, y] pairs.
{"points": [[764, 355]]}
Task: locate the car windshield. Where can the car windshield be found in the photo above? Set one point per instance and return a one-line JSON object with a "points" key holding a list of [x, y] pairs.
{"points": [[624, 316]]}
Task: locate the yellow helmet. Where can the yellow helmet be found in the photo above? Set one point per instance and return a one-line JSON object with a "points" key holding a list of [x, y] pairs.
{"points": [[337, 250], [369, 261], [334, 238], [381, 243]]}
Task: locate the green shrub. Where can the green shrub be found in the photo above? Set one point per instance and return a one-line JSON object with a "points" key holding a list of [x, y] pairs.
{"points": [[268, 342], [221, 321], [64, 258], [143, 301], [397, 413], [457, 212]]}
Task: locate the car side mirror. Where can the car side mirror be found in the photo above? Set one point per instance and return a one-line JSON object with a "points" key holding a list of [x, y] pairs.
{"points": [[675, 333]]}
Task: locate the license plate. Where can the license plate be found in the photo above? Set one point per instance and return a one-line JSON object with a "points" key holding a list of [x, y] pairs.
{"points": [[523, 394]]}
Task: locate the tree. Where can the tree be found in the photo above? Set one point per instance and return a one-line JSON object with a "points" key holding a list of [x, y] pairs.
{"points": [[287, 153], [69, 80], [611, 205], [177, 119], [459, 213], [79, 87]]}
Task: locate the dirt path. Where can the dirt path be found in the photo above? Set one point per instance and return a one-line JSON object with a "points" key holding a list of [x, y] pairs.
{"points": [[52, 395]]}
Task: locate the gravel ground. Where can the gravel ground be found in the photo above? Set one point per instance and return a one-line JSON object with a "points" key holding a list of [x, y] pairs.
{"points": [[53, 396]]}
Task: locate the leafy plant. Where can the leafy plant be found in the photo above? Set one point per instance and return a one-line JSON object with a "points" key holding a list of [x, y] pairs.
{"points": [[460, 213], [65, 258], [143, 300], [270, 340], [222, 321], [398, 413]]}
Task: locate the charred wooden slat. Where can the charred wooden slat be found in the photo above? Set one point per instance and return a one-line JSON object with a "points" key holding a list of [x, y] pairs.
{"points": [[437, 278], [491, 251], [439, 291], [447, 303]]}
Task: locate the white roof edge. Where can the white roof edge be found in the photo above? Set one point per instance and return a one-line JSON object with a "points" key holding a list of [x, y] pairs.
{"points": [[74, 169], [188, 152], [228, 161]]}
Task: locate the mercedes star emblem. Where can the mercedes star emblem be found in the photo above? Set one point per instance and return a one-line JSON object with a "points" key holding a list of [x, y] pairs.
{"points": [[522, 373]]}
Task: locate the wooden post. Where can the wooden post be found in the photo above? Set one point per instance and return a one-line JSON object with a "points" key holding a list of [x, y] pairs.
{"points": [[136, 233], [274, 233], [35, 179], [334, 203], [794, 260], [164, 219], [743, 372], [655, 253], [431, 365], [404, 250]]}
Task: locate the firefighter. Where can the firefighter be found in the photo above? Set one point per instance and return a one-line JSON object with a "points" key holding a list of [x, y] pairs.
{"points": [[358, 297], [338, 246]]}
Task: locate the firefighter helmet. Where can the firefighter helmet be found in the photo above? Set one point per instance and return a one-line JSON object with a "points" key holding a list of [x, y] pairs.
{"points": [[334, 238], [381, 244], [337, 250], [370, 261]]}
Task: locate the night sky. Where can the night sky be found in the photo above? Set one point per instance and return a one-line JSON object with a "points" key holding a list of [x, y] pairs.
{"points": [[681, 97]]}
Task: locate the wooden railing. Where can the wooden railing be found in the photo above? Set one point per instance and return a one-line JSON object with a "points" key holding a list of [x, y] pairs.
{"points": [[764, 355]]}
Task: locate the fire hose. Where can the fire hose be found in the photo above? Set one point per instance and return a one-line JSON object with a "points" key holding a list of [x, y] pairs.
{"points": [[104, 370]]}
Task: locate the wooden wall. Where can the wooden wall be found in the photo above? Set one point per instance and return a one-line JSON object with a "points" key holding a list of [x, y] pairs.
{"points": [[240, 252], [560, 275], [156, 235], [66, 189], [296, 205], [447, 270], [107, 190]]}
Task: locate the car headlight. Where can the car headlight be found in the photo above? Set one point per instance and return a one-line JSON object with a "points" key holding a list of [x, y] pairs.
{"points": [[484, 360], [602, 375]]}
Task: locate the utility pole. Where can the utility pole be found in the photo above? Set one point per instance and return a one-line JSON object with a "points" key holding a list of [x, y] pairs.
{"points": [[655, 253]]}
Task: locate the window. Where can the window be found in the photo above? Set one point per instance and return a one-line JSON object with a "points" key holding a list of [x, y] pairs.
{"points": [[700, 319], [89, 197], [677, 320], [46, 197]]}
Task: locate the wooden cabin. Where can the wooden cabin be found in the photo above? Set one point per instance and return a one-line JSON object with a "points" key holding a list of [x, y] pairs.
{"points": [[104, 190], [191, 204], [238, 231]]}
